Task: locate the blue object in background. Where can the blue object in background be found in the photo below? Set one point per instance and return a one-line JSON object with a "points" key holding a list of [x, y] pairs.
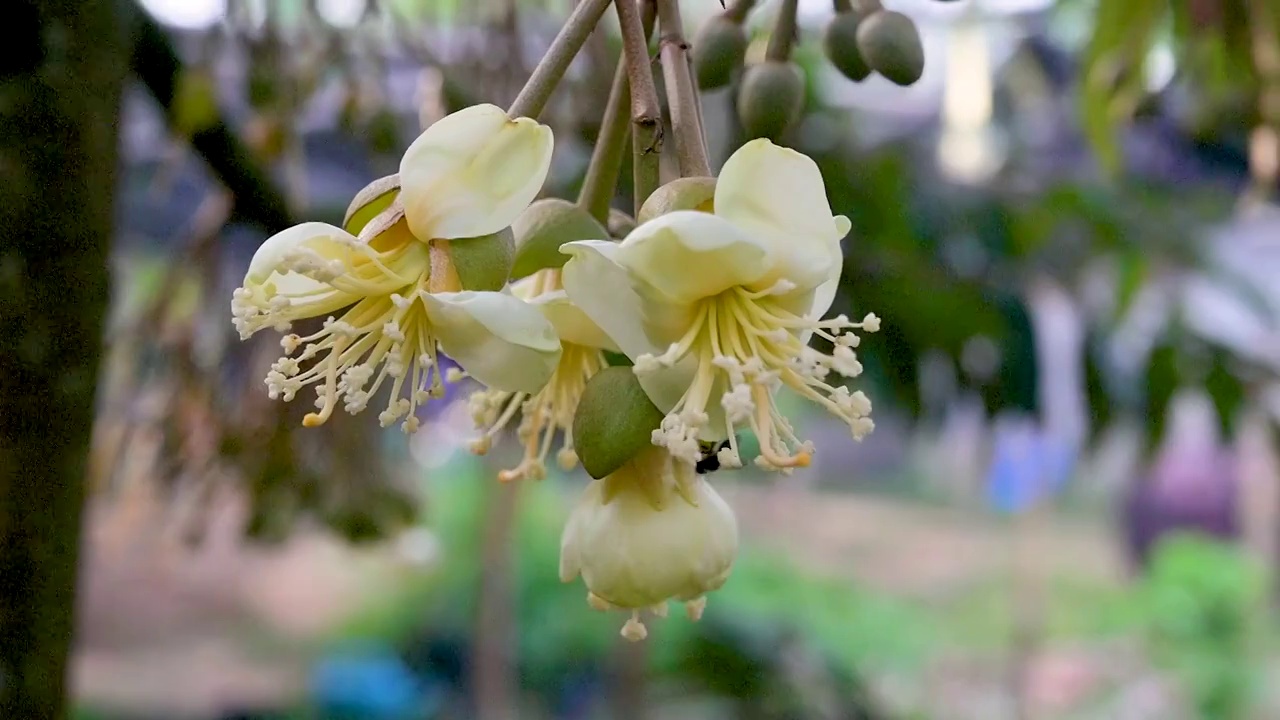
{"points": [[370, 684], [1027, 466]]}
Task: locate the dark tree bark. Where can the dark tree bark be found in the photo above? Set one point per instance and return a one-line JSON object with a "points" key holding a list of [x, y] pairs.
{"points": [[60, 88]]}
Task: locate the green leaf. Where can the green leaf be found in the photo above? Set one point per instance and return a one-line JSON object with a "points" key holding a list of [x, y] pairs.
{"points": [[615, 420]]}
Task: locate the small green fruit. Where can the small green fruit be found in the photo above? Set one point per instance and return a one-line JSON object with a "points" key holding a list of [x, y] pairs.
{"points": [[840, 42], [691, 193], [890, 43], [620, 223], [614, 421], [718, 51], [484, 263], [771, 99], [543, 228]]}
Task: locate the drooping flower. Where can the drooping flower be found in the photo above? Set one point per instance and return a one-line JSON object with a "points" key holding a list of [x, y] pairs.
{"points": [[394, 300], [550, 410], [716, 309], [650, 532]]}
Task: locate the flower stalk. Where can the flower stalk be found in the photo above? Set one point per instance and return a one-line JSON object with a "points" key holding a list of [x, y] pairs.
{"points": [[615, 129], [646, 113], [784, 32], [552, 67], [682, 98]]}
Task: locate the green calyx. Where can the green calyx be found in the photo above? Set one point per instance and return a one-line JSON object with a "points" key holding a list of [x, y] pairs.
{"points": [[771, 98], [890, 43], [484, 263], [543, 228], [690, 193], [615, 420], [375, 198]]}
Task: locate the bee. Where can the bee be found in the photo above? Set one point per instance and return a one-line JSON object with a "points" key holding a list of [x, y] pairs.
{"points": [[710, 461]]}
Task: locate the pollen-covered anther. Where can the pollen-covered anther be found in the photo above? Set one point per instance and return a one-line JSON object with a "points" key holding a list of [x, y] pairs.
{"points": [[695, 608], [750, 342], [544, 415], [633, 629]]}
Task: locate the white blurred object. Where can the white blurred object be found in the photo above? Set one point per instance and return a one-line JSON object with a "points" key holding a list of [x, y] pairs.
{"points": [[187, 14]]}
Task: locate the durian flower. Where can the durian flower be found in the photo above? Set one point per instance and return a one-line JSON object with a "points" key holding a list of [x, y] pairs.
{"points": [[650, 532], [550, 410], [716, 309], [394, 300]]}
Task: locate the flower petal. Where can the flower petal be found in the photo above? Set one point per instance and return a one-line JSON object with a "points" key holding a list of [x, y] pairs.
{"points": [[498, 339], [640, 322], [473, 172], [325, 241], [689, 255], [571, 323], [777, 195]]}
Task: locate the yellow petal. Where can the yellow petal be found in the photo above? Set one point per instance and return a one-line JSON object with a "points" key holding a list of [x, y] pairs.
{"points": [[687, 255], [498, 339], [571, 323], [640, 324], [473, 172], [325, 241], [777, 195]]}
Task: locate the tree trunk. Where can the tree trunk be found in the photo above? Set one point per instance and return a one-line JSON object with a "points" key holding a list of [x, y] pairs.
{"points": [[60, 88]]}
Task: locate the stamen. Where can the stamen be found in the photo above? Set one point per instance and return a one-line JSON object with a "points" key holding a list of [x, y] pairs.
{"points": [[750, 342]]}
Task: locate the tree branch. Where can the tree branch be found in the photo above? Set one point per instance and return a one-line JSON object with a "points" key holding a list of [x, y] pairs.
{"points": [[552, 67], [646, 112], [682, 98]]}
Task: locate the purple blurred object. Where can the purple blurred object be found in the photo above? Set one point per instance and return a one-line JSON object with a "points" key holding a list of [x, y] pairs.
{"points": [[1192, 485]]}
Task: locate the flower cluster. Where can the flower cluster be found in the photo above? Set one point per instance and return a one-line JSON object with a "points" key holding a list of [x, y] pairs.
{"points": [[714, 307]]}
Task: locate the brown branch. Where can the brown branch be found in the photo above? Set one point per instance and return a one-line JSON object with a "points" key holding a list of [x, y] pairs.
{"points": [[682, 98], [646, 112]]}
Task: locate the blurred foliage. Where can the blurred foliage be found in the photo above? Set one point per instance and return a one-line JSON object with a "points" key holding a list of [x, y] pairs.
{"points": [[1201, 601]]}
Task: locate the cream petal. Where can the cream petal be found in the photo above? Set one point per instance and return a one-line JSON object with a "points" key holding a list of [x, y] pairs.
{"points": [[777, 195], [571, 323], [473, 172], [688, 255], [498, 339], [602, 289], [325, 241]]}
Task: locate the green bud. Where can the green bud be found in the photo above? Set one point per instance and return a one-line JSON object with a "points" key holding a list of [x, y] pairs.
{"points": [[771, 98], [615, 420], [546, 225], [369, 202], [840, 41], [718, 51], [620, 223], [891, 45], [484, 263], [691, 193]]}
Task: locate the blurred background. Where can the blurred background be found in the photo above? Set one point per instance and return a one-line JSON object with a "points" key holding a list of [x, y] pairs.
{"points": [[1069, 509]]}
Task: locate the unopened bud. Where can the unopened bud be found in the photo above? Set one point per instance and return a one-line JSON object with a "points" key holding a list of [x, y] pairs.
{"points": [[484, 263], [840, 42], [691, 193], [771, 98], [718, 51], [620, 223], [890, 43], [546, 225]]}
